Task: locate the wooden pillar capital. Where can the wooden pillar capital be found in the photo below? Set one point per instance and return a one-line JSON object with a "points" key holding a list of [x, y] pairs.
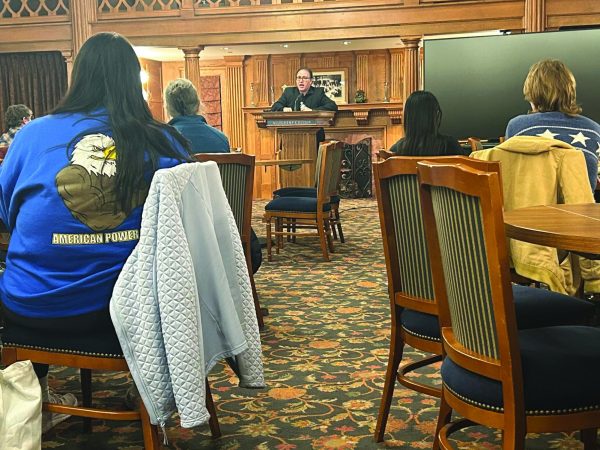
{"points": [[192, 52]]}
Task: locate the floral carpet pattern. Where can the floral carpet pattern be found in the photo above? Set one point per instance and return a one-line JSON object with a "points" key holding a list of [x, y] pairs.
{"points": [[325, 347]]}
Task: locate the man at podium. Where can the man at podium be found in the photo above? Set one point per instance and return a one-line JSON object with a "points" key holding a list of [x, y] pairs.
{"points": [[304, 97]]}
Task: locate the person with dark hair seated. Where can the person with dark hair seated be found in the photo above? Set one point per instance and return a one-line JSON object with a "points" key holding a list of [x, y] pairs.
{"points": [[72, 189], [422, 120], [183, 105]]}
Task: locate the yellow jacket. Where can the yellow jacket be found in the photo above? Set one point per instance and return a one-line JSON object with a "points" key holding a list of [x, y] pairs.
{"points": [[541, 171]]}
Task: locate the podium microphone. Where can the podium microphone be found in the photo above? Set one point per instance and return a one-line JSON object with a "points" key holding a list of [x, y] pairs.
{"points": [[296, 102]]}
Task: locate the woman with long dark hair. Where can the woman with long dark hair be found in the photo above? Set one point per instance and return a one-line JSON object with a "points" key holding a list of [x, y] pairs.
{"points": [[422, 120], [71, 194]]}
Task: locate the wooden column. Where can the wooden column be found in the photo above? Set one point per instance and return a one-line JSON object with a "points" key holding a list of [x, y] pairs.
{"points": [[192, 64], [68, 56], [411, 64], [234, 74], [83, 15], [535, 16], [362, 72], [260, 81], [396, 80]]}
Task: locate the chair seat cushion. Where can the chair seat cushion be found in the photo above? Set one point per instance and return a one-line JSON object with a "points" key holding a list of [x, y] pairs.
{"points": [[561, 369], [295, 204], [419, 324], [103, 343], [542, 308], [301, 192]]}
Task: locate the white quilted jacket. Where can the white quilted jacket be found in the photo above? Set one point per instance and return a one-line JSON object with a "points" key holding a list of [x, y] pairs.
{"points": [[183, 299]]}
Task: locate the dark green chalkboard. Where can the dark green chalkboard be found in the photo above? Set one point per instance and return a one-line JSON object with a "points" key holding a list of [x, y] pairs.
{"points": [[479, 80]]}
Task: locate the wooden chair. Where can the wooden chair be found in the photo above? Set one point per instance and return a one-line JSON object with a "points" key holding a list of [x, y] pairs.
{"points": [[308, 212], [237, 175], [334, 215], [493, 374], [412, 300], [86, 362], [384, 154], [475, 144]]}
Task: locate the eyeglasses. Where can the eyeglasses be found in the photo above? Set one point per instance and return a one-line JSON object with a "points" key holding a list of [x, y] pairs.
{"points": [[303, 78]]}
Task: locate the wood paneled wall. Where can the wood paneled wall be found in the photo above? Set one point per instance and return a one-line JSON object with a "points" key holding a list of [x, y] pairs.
{"points": [[154, 86]]}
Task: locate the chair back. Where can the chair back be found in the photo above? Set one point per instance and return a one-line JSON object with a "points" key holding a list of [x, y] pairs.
{"points": [[237, 176], [331, 153], [405, 246], [384, 154], [475, 144], [462, 210]]}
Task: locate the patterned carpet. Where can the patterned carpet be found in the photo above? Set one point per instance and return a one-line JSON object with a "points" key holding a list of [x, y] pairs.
{"points": [[325, 350]]}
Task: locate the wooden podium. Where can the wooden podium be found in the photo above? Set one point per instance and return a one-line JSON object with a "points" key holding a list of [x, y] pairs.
{"points": [[295, 143]]}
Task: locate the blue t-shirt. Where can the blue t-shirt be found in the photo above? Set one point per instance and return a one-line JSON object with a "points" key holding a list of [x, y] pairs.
{"points": [[68, 243], [203, 138], [579, 131]]}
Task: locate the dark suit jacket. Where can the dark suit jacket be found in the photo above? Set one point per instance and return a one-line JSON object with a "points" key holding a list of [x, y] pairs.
{"points": [[315, 98]]}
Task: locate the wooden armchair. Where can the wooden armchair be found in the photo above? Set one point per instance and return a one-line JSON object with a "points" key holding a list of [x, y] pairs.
{"points": [[237, 176], [412, 297], [308, 212], [535, 380]]}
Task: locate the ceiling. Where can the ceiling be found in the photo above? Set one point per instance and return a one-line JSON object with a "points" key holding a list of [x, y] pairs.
{"points": [[215, 52]]}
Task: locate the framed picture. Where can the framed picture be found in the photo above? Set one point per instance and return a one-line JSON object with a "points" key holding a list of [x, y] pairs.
{"points": [[334, 83]]}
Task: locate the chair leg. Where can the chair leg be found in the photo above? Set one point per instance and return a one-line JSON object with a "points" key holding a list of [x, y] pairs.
{"points": [[149, 431], [268, 226], [213, 422], [395, 356], [444, 417], [327, 226], [85, 376], [589, 437], [259, 314], [513, 435], [332, 223], [338, 222], [323, 240]]}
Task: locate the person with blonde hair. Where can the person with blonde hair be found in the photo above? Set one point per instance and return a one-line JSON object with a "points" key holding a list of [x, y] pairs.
{"points": [[183, 105], [550, 89]]}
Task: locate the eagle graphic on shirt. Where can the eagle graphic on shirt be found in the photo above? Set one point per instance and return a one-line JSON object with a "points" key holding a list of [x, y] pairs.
{"points": [[87, 185]]}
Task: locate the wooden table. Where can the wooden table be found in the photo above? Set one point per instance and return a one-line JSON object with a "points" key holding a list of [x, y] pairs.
{"points": [[568, 227]]}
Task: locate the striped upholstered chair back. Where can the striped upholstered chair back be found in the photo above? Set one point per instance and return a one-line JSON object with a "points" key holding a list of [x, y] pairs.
{"points": [[330, 154], [237, 176], [462, 208], [405, 245]]}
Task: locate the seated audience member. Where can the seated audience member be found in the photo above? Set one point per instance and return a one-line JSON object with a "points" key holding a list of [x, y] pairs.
{"points": [[550, 90], [16, 117], [71, 194], [541, 171], [422, 120], [183, 104], [304, 97]]}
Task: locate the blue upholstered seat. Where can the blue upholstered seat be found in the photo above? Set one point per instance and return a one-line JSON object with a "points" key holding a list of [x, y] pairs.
{"points": [[533, 307], [561, 369], [301, 192], [97, 343], [295, 204], [425, 326], [541, 308]]}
